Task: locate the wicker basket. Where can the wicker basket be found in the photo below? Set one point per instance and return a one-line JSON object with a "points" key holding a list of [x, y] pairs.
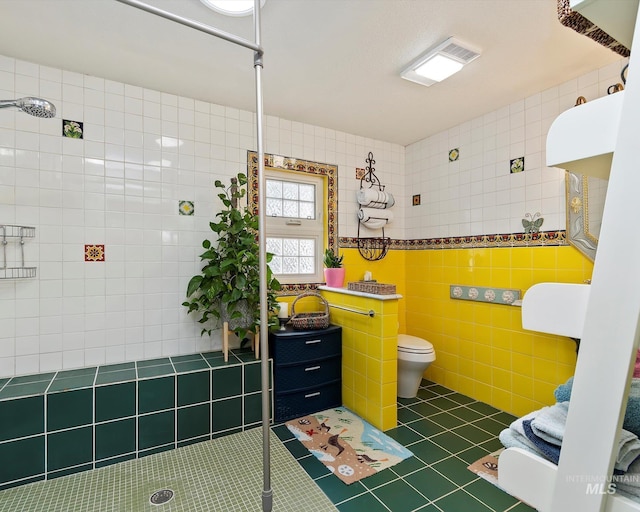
{"points": [[372, 287], [309, 321]]}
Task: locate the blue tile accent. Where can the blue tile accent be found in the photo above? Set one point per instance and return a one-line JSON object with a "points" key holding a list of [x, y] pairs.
{"points": [[506, 296]]}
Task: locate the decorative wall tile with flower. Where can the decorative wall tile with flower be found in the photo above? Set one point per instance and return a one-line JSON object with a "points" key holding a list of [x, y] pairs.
{"points": [[454, 154], [93, 252], [416, 200], [72, 129], [186, 208], [516, 165], [360, 173]]}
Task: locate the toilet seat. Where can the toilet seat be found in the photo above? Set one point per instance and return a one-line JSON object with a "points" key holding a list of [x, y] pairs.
{"points": [[413, 345]]}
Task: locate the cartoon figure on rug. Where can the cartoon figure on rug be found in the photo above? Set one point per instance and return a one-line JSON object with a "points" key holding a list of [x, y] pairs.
{"points": [[304, 421], [365, 459], [490, 465], [324, 426], [333, 441]]}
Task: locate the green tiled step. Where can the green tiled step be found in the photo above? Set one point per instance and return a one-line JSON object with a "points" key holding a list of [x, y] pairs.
{"points": [[126, 410]]}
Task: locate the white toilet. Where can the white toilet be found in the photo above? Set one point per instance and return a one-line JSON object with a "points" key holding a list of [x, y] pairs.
{"points": [[414, 357]]}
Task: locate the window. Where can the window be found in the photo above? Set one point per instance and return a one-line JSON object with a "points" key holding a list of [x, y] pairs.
{"points": [[301, 216], [295, 231]]}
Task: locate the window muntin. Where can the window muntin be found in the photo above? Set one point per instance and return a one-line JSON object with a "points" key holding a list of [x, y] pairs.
{"points": [[295, 231]]}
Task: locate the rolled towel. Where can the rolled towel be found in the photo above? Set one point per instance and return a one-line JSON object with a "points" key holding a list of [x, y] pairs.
{"points": [[375, 198], [374, 223], [366, 214]]}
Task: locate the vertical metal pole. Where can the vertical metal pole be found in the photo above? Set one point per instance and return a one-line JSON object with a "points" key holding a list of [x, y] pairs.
{"points": [[267, 492]]}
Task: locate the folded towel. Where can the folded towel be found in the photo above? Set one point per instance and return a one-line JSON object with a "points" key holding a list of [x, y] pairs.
{"points": [[563, 391], [375, 198], [549, 423], [511, 439], [632, 414], [550, 451], [629, 483], [366, 214], [514, 436]]}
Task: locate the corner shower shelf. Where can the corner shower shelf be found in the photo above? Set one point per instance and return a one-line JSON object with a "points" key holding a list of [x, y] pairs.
{"points": [[17, 234]]}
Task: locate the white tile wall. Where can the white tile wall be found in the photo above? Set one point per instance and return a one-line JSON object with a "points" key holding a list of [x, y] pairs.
{"points": [[142, 152], [477, 194]]}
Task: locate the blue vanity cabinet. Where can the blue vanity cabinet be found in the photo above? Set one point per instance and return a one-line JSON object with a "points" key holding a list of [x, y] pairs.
{"points": [[307, 370]]}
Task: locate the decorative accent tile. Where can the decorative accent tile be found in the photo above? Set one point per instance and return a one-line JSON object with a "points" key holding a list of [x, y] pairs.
{"points": [[72, 129], [532, 224], [516, 165], [481, 294], [93, 252], [454, 154], [416, 200], [359, 173], [186, 208]]}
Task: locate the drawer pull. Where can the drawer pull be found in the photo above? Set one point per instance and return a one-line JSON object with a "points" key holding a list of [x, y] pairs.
{"points": [[311, 342], [312, 368], [317, 393]]}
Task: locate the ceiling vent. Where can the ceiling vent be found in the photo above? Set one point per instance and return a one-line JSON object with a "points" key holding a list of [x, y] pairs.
{"points": [[440, 62]]}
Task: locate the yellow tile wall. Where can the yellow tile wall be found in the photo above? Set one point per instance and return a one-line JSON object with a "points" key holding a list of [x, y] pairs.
{"points": [[481, 349], [369, 357]]}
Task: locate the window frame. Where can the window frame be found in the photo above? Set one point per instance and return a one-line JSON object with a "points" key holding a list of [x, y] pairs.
{"points": [[329, 204]]}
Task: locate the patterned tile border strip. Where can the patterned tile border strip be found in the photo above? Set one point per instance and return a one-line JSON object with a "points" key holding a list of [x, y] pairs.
{"points": [[505, 296], [543, 238]]}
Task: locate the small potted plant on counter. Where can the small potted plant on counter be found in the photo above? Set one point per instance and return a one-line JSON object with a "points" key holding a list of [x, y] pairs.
{"points": [[333, 272]]}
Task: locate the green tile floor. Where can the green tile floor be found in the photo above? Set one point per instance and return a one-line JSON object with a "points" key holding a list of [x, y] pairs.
{"points": [[446, 431], [223, 475]]}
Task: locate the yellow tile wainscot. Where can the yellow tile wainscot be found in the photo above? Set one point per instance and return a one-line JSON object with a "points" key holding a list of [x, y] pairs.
{"points": [[369, 353]]}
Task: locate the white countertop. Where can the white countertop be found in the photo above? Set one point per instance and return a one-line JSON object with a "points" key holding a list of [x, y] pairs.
{"points": [[393, 296]]}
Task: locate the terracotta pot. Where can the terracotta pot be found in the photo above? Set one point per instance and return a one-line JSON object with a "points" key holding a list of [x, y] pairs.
{"points": [[334, 277]]}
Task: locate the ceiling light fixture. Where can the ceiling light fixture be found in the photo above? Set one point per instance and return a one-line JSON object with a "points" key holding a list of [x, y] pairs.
{"points": [[440, 62], [232, 7]]}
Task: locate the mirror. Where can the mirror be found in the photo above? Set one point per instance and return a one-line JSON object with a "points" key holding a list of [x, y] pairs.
{"points": [[585, 204]]}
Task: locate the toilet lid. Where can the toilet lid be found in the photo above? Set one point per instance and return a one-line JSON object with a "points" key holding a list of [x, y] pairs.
{"points": [[413, 344]]}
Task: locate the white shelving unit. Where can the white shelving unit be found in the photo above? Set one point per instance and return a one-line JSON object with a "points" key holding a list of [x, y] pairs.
{"points": [[586, 140]]}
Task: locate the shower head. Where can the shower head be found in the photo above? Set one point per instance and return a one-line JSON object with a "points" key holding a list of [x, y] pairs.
{"points": [[33, 106]]}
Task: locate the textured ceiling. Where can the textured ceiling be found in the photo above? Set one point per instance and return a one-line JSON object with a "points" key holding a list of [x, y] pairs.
{"points": [[330, 63]]}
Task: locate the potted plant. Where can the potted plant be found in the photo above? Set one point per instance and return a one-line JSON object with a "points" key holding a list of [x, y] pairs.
{"points": [[333, 272], [228, 289]]}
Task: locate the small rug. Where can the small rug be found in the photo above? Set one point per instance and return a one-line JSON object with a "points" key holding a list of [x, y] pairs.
{"points": [[487, 467], [350, 447]]}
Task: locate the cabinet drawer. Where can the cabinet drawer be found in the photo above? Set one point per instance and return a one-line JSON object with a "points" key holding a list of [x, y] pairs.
{"points": [[295, 350], [301, 403], [313, 373]]}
